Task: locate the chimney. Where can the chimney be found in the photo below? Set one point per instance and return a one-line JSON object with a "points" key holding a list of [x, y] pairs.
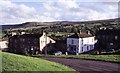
{"points": [[44, 33], [22, 33], [14, 33], [80, 31], [88, 32]]}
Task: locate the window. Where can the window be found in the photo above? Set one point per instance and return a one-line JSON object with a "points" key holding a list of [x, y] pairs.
{"points": [[35, 39], [87, 47], [29, 42], [111, 43], [82, 49], [15, 46], [116, 37], [15, 41], [23, 40], [82, 40], [22, 46], [35, 42], [103, 37], [72, 41], [91, 46]]}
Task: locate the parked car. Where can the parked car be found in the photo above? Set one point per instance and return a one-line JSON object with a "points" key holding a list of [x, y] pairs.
{"points": [[58, 53], [72, 52]]}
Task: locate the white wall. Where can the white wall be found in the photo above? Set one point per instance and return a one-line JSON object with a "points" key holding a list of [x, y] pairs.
{"points": [[43, 40], [86, 43], [89, 41]]}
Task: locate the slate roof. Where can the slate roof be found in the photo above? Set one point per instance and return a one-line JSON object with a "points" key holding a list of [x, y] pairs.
{"points": [[27, 36], [108, 32], [80, 35]]}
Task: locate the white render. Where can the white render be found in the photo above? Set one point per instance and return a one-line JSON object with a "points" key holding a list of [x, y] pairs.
{"points": [[81, 44], [3, 45], [44, 40]]}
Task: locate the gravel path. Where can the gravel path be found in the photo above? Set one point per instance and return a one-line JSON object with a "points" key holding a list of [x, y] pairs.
{"points": [[87, 66]]}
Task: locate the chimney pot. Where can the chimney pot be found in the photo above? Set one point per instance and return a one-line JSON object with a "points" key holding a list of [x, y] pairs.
{"points": [[88, 32], [80, 31]]}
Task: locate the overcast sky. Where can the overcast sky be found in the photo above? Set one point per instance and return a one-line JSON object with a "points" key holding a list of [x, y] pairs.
{"points": [[14, 12]]}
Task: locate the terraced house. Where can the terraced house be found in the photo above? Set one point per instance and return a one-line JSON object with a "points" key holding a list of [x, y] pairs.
{"points": [[27, 43]]}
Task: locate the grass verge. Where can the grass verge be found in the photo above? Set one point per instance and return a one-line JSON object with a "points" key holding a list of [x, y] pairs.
{"points": [[108, 58], [13, 62]]}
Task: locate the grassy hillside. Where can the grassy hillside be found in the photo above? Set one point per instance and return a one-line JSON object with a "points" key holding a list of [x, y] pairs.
{"points": [[13, 62]]}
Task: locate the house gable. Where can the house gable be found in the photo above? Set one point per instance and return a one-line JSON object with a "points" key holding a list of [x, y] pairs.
{"points": [[44, 40]]}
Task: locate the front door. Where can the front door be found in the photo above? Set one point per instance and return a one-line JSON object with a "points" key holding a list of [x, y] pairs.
{"points": [[72, 48]]}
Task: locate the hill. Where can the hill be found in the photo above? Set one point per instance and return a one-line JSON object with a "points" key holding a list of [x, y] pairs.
{"points": [[35, 24], [13, 62]]}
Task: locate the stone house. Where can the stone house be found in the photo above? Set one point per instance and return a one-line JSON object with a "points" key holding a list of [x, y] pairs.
{"points": [[35, 43], [108, 39]]}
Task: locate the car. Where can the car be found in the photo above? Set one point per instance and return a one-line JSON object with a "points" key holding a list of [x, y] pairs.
{"points": [[58, 53], [111, 51], [72, 52]]}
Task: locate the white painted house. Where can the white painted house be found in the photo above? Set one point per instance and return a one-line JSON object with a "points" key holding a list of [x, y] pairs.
{"points": [[80, 43], [44, 40]]}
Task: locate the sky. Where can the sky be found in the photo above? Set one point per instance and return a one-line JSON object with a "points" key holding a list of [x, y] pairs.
{"points": [[21, 11]]}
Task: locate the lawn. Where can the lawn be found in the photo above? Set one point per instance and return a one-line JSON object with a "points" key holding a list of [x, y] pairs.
{"points": [[13, 62], [110, 58]]}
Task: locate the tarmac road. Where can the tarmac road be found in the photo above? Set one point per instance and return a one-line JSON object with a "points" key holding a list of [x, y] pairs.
{"points": [[87, 66]]}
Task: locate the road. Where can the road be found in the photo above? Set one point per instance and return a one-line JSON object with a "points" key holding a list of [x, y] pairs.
{"points": [[87, 66]]}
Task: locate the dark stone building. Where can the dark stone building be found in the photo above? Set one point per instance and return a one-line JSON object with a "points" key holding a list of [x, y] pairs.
{"points": [[24, 43], [30, 43], [108, 39]]}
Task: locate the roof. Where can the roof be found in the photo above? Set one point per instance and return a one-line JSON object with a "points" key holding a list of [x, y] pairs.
{"points": [[27, 36], [80, 35], [108, 32]]}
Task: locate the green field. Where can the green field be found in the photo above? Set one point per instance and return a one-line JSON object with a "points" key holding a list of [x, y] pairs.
{"points": [[13, 62], [110, 58], [0, 34], [59, 33]]}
